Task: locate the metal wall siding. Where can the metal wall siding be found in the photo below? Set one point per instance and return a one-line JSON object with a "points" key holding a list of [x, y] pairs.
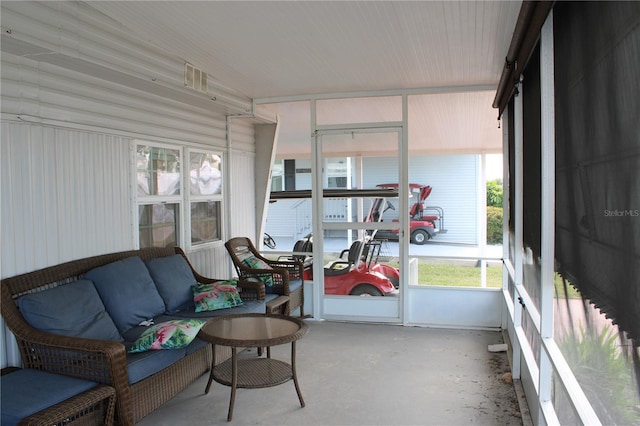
{"points": [[243, 135], [454, 179], [68, 163], [242, 199], [213, 262], [68, 193], [82, 32], [49, 92]]}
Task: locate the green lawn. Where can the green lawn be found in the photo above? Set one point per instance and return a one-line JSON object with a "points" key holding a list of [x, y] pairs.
{"points": [[457, 275], [469, 276]]}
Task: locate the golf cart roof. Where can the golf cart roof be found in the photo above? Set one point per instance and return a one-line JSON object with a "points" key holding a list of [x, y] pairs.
{"points": [[335, 193], [395, 185]]}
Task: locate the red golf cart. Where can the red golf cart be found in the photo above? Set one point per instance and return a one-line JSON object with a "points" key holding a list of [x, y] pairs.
{"points": [[356, 272], [425, 221]]}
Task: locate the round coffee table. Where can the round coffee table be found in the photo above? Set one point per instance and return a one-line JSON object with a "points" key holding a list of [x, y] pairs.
{"points": [[253, 330]]}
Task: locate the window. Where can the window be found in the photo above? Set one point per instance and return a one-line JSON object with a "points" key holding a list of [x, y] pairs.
{"points": [[205, 197], [158, 195], [177, 204], [277, 176], [337, 171]]}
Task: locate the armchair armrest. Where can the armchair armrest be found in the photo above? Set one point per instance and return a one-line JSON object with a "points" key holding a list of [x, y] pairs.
{"points": [[293, 267], [276, 279], [251, 290], [278, 305]]}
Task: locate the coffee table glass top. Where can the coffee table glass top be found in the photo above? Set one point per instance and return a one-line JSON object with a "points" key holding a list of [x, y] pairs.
{"points": [[253, 329]]}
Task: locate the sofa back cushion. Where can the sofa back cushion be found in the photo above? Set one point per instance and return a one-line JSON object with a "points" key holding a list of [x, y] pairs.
{"points": [[69, 310], [128, 292], [174, 279]]}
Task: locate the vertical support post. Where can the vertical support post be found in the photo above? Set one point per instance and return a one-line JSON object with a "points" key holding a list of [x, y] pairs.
{"points": [[547, 186], [358, 167], [403, 204], [316, 202], [482, 219], [518, 218]]}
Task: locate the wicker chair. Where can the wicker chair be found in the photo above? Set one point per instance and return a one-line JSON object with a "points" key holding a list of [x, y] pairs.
{"points": [[284, 277]]}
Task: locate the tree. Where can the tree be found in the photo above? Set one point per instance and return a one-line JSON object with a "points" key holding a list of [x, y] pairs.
{"points": [[494, 193]]}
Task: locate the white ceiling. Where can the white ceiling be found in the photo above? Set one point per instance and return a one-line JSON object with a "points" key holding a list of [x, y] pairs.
{"points": [[279, 49]]}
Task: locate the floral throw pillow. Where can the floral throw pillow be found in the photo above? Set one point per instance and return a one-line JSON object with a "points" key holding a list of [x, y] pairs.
{"points": [[174, 334], [255, 263], [220, 295]]}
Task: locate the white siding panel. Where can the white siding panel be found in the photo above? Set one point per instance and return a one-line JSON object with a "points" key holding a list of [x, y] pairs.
{"points": [[289, 218], [76, 36], [38, 91], [212, 262], [454, 179], [68, 196], [243, 135], [242, 203]]}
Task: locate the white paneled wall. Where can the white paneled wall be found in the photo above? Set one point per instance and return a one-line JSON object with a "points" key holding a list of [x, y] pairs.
{"points": [[242, 197], [65, 195], [37, 91], [454, 179]]}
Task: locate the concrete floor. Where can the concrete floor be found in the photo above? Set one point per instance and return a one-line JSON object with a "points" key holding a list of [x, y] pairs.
{"points": [[370, 374]]}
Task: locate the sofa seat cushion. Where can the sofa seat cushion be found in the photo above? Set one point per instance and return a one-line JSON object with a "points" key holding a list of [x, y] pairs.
{"points": [[174, 279], [26, 392], [143, 364], [128, 292], [247, 307], [74, 310], [196, 345], [294, 284]]}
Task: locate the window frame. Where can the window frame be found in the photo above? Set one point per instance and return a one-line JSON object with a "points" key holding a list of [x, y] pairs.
{"points": [[183, 199], [191, 198]]}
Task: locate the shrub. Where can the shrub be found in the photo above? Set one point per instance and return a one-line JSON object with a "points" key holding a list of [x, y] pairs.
{"points": [[494, 225]]}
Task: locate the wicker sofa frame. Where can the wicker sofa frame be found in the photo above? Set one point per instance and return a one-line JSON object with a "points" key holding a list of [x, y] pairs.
{"points": [[104, 361]]}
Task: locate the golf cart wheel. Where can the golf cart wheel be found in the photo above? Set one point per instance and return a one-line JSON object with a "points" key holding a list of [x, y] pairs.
{"points": [[365, 290], [419, 237]]}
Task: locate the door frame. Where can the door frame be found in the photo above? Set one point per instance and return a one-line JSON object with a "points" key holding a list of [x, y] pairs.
{"points": [[350, 308]]}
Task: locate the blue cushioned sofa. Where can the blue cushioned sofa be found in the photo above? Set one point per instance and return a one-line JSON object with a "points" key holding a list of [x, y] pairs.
{"points": [[81, 318]]}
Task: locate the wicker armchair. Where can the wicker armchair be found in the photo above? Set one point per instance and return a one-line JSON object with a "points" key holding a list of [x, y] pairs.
{"points": [[283, 277]]}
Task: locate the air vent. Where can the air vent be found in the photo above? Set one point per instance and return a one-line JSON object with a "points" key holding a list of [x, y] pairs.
{"points": [[195, 78]]}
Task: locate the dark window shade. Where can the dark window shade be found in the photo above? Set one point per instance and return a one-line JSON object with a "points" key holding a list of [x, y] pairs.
{"points": [[597, 64], [511, 141], [531, 156]]}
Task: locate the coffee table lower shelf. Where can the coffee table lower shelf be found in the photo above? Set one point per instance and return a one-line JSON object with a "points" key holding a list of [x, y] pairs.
{"points": [[254, 372]]}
